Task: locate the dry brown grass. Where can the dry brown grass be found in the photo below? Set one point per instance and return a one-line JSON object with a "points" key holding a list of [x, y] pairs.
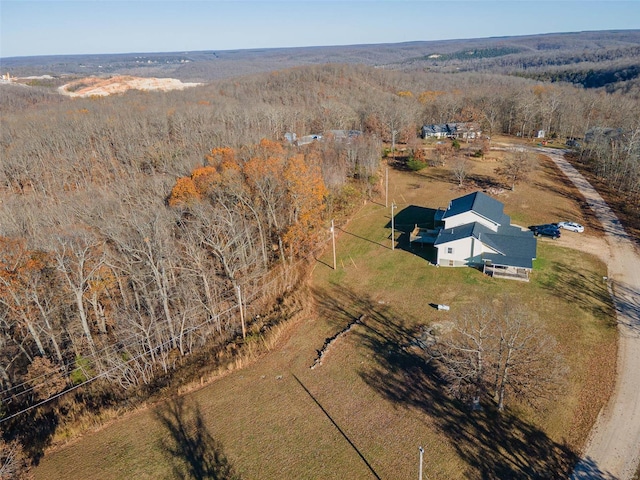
{"points": [[374, 400]]}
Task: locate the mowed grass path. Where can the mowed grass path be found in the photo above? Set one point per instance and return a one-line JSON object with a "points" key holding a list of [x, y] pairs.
{"points": [[365, 410]]}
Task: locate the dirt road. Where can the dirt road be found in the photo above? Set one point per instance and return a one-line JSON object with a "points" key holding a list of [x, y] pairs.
{"points": [[613, 449]]}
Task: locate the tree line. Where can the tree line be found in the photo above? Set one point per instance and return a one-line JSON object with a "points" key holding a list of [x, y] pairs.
{"points": [[170, 133]]}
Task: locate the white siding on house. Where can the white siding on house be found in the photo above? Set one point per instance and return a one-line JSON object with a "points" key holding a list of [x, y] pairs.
{"points": [[474, 230], [458, 251], [469, 217], [466, 251], [477, 248]]}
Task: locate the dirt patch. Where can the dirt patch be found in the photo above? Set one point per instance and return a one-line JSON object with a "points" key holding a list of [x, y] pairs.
{"points": [[102, 87], [596, 245]]}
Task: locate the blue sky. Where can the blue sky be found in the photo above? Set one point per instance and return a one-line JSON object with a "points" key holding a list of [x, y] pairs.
{"points": [[53, 27]]}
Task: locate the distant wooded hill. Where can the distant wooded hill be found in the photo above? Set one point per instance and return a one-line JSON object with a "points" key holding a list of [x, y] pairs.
{"points": [[591, 59]]}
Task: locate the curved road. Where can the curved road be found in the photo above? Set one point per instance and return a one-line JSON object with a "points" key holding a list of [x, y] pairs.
{"points": [[613, 449]]}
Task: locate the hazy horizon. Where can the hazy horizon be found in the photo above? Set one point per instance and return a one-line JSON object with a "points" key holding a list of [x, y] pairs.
{"points": [[314, 46], [53, 28]]}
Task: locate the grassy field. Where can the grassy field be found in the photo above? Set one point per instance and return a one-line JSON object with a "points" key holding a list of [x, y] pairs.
{"points": [[365, 410]]}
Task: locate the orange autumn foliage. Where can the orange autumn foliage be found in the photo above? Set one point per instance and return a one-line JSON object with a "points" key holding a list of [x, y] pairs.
{"points": [[283, 184], [222, 167], [16, 258], [18, 267], [100, 287], [258, 170], [184, 192], [220, 155], [540, 90], [271, 147], [306, 192], [229, 165], [429, 95], [205, 179]]}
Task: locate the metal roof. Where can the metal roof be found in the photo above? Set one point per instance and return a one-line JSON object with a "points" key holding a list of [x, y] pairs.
{"points": [[502, 261], [480, 203], [515, 249], [474, 229], [513, 246], [441, 128]]}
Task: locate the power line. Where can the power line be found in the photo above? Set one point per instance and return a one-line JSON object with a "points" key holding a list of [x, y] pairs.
{"points": [[100, 375], [141, 355], [95, 356]]}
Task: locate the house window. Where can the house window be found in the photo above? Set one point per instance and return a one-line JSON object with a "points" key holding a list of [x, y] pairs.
{"points": [[449, 249], [451, 263]]}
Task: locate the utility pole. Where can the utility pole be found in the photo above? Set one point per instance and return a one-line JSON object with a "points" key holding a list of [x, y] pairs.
{"points": [[244, 330], [393, 207], [421, 455], [386, 187], [333, 241], [393, 144], [393, 155]]}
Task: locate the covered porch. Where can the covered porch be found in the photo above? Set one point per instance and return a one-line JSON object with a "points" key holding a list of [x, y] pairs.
{"points": [[503, 267], [423, 235]]}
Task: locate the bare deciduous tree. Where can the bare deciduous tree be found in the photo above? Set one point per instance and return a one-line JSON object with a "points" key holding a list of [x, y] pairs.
{"points": [[460, 168], [13, 462], [442, 152], [496, 351], [517, 166], [78, 257]]}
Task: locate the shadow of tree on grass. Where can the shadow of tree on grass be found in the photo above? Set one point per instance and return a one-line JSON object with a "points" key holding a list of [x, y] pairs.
{"points": [[190, 448], [572, 285], [493, 445]]}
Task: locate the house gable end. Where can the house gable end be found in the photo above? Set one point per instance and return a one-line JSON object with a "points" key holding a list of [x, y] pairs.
{"points": [[487, 210]]}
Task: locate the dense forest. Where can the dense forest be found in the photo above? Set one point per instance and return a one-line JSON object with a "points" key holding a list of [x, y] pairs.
{"points": [[141, 229], [555, 57]]}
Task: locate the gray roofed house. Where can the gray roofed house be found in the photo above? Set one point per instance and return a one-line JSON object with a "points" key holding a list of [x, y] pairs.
{"points": [[475, 231], [438, 131], [464, 130]]}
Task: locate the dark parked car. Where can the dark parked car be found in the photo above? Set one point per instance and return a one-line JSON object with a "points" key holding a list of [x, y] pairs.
{"points": [[535, 228], [547, 231]]}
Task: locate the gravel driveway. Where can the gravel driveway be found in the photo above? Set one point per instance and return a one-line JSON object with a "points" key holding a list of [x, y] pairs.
{"points": [[613, 449]]}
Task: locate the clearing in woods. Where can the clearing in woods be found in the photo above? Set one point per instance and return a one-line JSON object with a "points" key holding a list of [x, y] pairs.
{"points": [[102, 87]]}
